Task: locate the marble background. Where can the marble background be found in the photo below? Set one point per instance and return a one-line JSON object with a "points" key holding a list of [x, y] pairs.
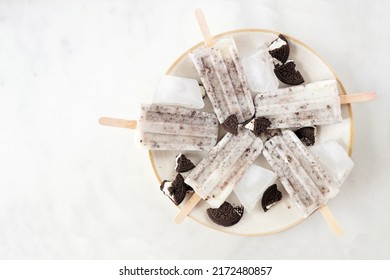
{"points": [[71, 189]]}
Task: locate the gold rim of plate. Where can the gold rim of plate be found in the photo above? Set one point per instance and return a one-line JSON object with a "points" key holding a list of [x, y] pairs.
{"points": [[232, 32]]}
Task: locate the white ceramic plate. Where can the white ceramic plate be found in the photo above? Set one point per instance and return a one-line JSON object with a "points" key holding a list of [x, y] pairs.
{"points": [[283, 215]]}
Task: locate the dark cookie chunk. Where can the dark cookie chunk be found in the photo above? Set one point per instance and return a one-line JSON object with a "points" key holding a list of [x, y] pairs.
{"points": [[270, 197], [282, 52], [175, 190], [307, 135], [183, 164], [231, 124], [287, 74], [260, 125], [226, 215]]}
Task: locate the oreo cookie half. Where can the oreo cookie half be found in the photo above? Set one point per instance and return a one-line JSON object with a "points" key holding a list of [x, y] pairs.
{"points": [[287, 74], [183, 164], [307, 135], [231, 124], [226, 215], [270, 197], [260, 125], [279, 49], [175, 190]]}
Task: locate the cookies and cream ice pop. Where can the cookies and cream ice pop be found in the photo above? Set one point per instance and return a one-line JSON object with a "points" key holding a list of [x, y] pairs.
{"points": [[305, 178], [163, 127], [221, 72], [316, 103], [214, 178]]}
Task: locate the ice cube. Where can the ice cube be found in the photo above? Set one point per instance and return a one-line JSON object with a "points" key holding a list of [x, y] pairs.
{"points": [[335, 159], [178, 91], [259, 71], [252, 185]]}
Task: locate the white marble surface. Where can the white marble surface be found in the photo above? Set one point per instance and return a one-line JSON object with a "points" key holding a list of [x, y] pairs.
{"points": [[70, 188]]}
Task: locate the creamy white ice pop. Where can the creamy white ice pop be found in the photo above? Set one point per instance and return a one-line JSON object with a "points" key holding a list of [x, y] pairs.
{"points": [[316, 103], [220, 70], [304, 176], [173, 128], [162, 127], [214, 178]]}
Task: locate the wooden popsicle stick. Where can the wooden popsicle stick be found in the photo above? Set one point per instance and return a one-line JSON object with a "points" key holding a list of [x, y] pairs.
{"points": [[131, 124], [357, 97], [208, 39], [331, 220], [187, 208]]}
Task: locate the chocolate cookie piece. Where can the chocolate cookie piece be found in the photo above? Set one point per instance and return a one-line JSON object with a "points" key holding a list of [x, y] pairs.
{"points": [[231, 124], [183, 164], [307, 135], [270, 197], [226, 215], [260, 125], [279, 49], [287, 74], [175, 190]]}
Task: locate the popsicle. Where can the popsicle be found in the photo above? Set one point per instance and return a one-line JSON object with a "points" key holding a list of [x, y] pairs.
{"points": [[316, 103], [172, 128], [305, 178], [221, 72], [215, 177]]}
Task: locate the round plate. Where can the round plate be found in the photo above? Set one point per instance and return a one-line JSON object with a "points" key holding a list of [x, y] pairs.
{"points": [[284, 214]]}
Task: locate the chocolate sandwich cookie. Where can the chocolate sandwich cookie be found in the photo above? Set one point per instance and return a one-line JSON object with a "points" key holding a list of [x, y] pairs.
{"points": [[279, 49], [175, 190], [183, 164], [226, 215], [231, 124], [307, 135], [270, 197], [287, 74], [260, 125]]}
